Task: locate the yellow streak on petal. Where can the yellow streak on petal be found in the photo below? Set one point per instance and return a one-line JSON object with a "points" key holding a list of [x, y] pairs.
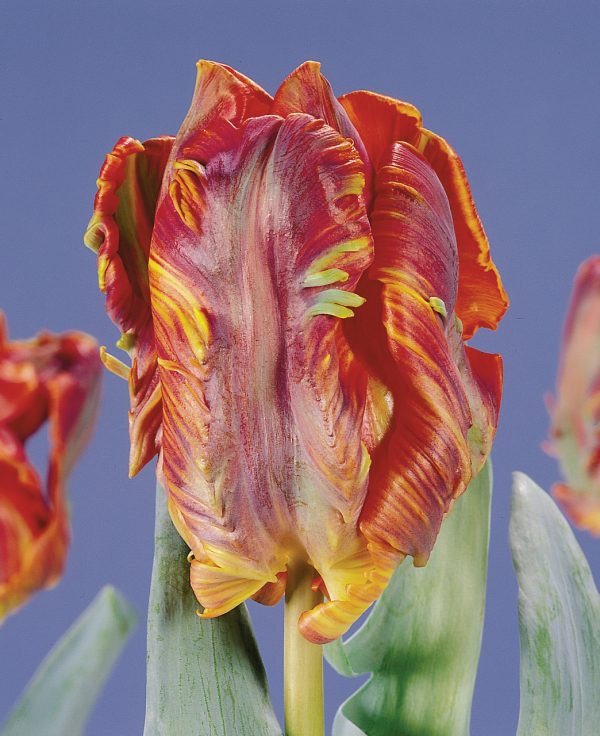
{"points": [[333, 254], [114, 365], [103, 263]]}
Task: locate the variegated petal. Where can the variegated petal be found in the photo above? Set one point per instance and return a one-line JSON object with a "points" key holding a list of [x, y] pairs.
{"points": [[119, 232], [34, 530], [423, 461], [256, 253], [482, 300]]}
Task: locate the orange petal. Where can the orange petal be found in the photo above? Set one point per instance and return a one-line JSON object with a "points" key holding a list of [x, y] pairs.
{"points": [[119, 232], [255, 255], [423, 461], [271, 593], [482, 300], [34, 530], [381, 121]]}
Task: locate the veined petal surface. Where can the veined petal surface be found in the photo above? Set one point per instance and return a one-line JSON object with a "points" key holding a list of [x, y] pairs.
{"points": [[119, 232], [255, 256], [52, 378], [307, 90], [317, 401], [423, 461]]}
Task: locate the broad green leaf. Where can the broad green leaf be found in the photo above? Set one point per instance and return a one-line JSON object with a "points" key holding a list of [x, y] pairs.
{"points": [[59, 698], [559, 619], [205, 677], [422, 640]]}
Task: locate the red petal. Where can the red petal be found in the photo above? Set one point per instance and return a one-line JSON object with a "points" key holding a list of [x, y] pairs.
{"points": [[222, 96], [120, 232], [423, 462], [34, 531], [307, 90], [251, 262], [482, 300], [381, 121]]}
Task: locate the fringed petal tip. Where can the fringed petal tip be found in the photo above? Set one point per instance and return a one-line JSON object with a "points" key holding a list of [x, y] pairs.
{"points": [[582, 509], [482, 299]]}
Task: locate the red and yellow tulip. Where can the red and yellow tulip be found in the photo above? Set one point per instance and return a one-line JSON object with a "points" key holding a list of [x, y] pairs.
{"points": [[575, 431], [294, 278], [53, 379]]}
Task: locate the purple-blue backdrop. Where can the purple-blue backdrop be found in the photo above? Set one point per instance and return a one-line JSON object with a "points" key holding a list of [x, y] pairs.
{"points": [[514, 87]]}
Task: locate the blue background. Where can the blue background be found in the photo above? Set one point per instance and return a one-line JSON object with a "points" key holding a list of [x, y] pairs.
{"points": [[514, 87]]}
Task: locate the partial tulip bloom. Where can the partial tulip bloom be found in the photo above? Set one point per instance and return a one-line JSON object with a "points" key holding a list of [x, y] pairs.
{"points": [[294, 278], [53, 380], [575, 411]]}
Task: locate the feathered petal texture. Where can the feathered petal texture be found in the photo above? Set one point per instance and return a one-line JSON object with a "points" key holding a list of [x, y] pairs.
{"points": [[53, 379], [120, 232], [315, 267], [575, 435]]}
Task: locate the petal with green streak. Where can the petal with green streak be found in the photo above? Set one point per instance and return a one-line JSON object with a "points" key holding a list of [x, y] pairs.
{"points": [[482, 300], [254, 259], [119, 232], [559, 619], [423, 462], [422, 640]]}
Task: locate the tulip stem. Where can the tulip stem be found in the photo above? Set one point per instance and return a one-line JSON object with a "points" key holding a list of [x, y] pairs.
{"points": [[303, 661]]}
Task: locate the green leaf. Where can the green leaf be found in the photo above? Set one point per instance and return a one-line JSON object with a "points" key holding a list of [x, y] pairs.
{"points": [[205, 677], [559, 619], [422, 640], [59, 698]]}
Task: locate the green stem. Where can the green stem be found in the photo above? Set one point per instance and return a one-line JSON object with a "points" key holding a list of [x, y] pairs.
{"points": [[302, 661]]}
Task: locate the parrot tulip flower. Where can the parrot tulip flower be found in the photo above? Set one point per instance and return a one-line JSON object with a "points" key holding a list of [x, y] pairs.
{"points": [[294, 278], [575, 437], [54, 379]]}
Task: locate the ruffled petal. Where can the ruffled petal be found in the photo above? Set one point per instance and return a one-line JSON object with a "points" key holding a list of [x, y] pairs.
{"points": [[120, 232], [223, 99], [34, 529], [381, 121], [307, 90], [481, 300], [423, 461], [255, 257]]}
